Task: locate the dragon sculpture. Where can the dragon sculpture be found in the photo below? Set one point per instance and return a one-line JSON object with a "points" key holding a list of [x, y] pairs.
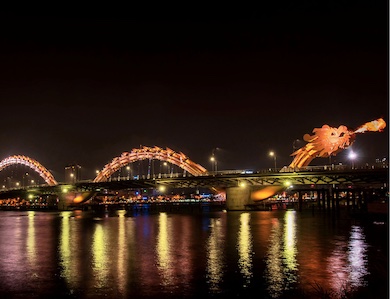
{"points": [[327, 141]]}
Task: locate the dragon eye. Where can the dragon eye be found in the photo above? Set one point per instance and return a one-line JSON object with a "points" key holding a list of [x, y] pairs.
{"points": [[342, 134]]}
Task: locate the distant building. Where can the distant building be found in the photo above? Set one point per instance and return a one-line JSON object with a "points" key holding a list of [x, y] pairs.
{"points": [[72, 174], [381, 163]]}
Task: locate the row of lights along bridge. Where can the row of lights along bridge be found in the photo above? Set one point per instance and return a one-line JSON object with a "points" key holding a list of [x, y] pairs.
{"points": [[73, 172]]}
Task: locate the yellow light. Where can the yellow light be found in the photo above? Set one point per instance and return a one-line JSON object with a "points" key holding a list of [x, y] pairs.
{"points": [[244, 246], [271, 154]]}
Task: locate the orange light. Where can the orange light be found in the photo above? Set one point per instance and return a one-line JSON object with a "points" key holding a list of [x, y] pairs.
{"points": [[265, 193], [373, 126]]}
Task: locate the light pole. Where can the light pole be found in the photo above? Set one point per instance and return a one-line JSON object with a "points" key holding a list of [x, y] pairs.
{"points": [[294, 146], [72, 177], [168, 168], [214, 163], [272, 154], [25, 180], [352, 156], [128, 172], [213, 160]]}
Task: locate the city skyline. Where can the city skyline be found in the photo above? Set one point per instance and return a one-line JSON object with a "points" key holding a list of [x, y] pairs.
{"points": [[82, 90]]}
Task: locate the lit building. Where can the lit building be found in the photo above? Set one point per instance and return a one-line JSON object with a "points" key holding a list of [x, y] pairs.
{"points": [[72, 173]]}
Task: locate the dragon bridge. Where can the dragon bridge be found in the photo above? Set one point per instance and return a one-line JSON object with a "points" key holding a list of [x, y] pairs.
{"points": [[33, 164], [155, 153]]}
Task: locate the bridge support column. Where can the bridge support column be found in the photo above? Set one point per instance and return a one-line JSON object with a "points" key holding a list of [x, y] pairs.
{"points": [[327, 194], [300, 201], [319, 199], [337, 200], [62, 202], [237, 198], [354, 200]]}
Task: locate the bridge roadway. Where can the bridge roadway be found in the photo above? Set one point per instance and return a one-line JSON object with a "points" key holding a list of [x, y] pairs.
{"points": [[228, 180], [365, 177], [234, 184]]}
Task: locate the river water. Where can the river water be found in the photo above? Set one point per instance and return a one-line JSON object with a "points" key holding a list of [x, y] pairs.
{"points": [[256, 254]]}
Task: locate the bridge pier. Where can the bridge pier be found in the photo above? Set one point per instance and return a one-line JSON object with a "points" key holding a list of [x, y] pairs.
{"points": [[62, 204], [238, 197]]}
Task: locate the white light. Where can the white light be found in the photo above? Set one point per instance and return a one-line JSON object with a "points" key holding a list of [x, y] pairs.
{"points": [[352, 155]]}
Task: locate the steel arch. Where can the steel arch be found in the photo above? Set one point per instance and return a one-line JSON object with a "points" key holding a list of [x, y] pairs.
{"points": [[144, 153], [33, 164]]}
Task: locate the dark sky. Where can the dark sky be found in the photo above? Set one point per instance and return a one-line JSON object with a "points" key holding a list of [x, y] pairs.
{"points": [[83, 88]]}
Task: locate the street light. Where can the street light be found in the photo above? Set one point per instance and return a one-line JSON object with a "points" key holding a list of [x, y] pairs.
{"points": [[213, 163], [128, 172], [272, 154], [72, 177], [23, 180], [352, 156], [168, 168]]}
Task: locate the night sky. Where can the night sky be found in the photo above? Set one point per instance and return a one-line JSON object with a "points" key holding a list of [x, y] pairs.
{"points": [[83, 88]]}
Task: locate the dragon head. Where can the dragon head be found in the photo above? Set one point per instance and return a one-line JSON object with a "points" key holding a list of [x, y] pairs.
{"points": [[328, 141]]}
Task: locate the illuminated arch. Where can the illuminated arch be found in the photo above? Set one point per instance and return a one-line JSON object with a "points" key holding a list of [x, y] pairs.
{"points": [[144, 153], [33, 164]]}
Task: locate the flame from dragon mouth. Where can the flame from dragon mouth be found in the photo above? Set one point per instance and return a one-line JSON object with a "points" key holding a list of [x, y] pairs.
{"points": [[373, 126]]}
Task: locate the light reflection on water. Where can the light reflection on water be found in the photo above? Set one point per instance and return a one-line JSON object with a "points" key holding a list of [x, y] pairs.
{"points": [[163, 250], [244, 246], [290, 248], [183, 256], [215, 263], [281, 263], [99, 255], [31, 251], [357, 257], [274, 270], [348, 264], [122, 252]]}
